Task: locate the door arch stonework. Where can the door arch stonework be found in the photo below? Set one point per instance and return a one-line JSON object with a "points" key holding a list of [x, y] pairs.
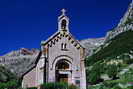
{"points": [[60, 73], [63, 71], [65, 57]]}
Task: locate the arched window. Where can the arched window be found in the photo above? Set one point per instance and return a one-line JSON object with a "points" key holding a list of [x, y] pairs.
{"points": [[64, 46], [63, 24]]}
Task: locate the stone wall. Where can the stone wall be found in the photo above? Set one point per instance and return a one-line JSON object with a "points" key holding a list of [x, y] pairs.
{"points": [[29, 79]]}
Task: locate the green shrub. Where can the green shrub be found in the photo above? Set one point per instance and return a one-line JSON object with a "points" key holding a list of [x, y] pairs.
{"points": [[6, 75], [111, 84], [8, 80], [13, 84], [72, 87], [57, 86], [32, 88]]}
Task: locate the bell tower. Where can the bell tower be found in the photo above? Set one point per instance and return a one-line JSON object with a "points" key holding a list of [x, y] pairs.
{"points": [[63, 22]]}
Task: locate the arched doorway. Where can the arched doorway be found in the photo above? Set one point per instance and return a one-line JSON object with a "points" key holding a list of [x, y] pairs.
{"points": [[62, 71]]}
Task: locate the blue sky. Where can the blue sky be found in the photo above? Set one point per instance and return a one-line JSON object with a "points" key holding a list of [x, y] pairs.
{"points": [[24, 23]]}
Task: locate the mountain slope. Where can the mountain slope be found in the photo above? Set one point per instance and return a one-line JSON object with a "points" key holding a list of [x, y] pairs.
{"points": [[111, 60], [125, 24], [120, 45]]}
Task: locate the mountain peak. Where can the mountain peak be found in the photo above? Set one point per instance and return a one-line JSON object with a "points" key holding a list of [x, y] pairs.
{"points": [[22, 51], [128, 15], [125, 24]]}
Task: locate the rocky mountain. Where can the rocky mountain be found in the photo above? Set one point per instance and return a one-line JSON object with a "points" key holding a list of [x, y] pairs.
{"points": [[91, 45], [125, 24], [19, 61]]}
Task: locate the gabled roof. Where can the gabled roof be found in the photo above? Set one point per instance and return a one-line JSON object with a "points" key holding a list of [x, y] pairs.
{"points": [[52, 38], [76, 40]]}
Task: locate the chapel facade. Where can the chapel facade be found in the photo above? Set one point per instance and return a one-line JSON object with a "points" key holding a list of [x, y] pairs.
{"points": [[62, 59]]}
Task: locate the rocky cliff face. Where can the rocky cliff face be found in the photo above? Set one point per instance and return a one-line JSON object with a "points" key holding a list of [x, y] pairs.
{"points": [[128, 15], [19, 61], [91, 45], [125, 24]]}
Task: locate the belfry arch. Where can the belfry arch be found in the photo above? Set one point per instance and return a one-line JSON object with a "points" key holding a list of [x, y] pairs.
{"points": [[63, 24]]}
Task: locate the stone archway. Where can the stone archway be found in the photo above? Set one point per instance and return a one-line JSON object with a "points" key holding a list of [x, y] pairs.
{"points": [[63, 71], [56, 71]]}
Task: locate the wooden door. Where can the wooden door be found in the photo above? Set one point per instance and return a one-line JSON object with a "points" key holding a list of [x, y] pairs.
{"points": [[63, 78]]}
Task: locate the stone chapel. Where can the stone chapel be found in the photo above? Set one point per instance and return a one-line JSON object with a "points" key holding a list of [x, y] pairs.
{"points": [[61, 59]]}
